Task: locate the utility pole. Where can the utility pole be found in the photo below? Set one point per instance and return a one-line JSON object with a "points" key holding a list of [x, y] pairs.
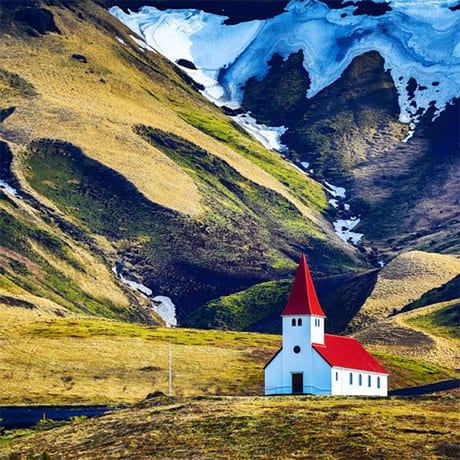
{"points": [[170, 369]]}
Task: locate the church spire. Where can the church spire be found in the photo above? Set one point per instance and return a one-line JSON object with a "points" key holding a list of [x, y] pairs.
{"points": [[303, 299]]}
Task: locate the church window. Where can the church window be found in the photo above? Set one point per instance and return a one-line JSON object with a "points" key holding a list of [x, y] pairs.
{"points": [[368, 380], [299, 322], [351, 378], [293, 321], [360, 379], [336, 376], [378, 382], [296, 349]]}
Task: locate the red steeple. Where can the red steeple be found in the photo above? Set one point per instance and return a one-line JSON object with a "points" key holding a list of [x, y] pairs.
{"points": [[303, 299]]}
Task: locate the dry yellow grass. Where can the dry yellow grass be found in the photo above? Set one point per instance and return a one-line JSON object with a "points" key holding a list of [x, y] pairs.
{"points": [[257, 428], [97, 280], [81, 360], [75, 106], [43, 308], [405, 279]]}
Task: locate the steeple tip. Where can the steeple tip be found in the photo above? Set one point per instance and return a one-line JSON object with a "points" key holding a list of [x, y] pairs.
{"points": [[303, 299]]}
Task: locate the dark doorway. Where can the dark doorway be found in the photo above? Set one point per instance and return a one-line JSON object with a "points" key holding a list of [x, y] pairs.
{"points": [[297, 383]]}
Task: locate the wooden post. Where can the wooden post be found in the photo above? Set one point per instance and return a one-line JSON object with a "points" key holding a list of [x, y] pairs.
{"points": [[170, 369]]}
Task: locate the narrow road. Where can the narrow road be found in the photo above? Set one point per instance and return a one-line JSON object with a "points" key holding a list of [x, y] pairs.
{"points": [[426, 389]]}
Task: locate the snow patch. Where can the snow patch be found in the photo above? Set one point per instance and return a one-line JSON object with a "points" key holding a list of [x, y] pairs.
{"points": [[343, 228], [269, 136], [161, 305], [335, 191], [134, 285], [8, 189], [334, 203], [164, 307]]}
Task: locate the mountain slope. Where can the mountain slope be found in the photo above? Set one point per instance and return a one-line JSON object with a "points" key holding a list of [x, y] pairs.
{"points": [[403, 280], [115, 153], [380, 116], [349, 133]]}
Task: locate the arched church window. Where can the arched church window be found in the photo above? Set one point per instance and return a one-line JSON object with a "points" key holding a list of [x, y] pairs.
{"points": [[293, 321], [336, 376], [360, 379], [378, 382], [368, 380], [299, 322], [351, 378]]}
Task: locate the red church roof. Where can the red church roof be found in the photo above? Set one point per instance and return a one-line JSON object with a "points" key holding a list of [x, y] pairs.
{"points": [[303, 299], [348, 353]]}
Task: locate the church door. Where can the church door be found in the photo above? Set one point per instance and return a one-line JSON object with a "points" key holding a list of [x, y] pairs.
{"points": [[297, 383]]}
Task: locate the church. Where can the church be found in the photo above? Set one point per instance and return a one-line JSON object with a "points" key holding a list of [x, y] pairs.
{"points": [[312, 362]]}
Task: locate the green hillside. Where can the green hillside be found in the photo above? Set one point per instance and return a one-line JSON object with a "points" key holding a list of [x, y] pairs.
{"points": [[127, 163], [443, 321]]}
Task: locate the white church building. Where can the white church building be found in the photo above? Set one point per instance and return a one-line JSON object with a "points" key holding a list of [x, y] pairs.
{"points": [[312, 362]]}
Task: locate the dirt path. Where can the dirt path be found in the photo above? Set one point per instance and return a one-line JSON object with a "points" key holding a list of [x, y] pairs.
{"points": [[445, 352], [394, 335]]}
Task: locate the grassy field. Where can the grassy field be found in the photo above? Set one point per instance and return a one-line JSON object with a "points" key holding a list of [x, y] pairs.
{"points": [[257, 428], [82, 360], [77, 360]]}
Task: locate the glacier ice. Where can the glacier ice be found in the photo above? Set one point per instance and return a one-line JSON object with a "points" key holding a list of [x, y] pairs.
{"points": [[418, 39]]}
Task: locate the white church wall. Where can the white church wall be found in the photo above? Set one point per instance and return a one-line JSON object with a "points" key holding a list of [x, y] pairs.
{"points": [[358, 383], [320, 372], [317, 329], [274, 376], [296, 331]]}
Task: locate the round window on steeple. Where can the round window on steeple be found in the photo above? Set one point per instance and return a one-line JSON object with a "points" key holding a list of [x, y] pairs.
{"points": [[296, 349]]}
